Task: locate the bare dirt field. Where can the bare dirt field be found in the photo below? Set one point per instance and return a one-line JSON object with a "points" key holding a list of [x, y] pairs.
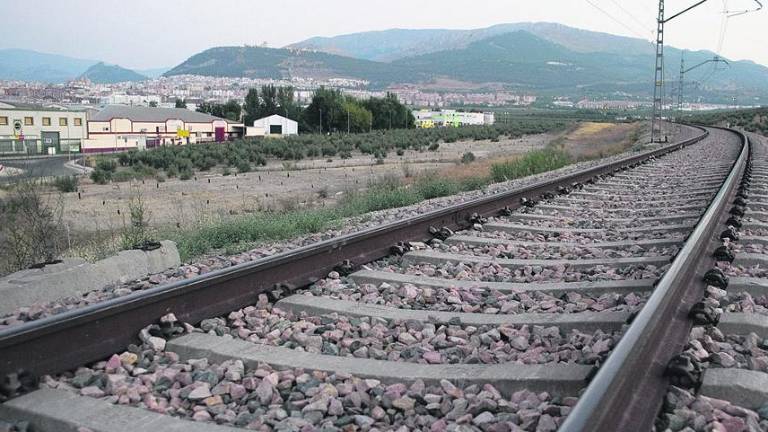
{"points": [[318, 182]]}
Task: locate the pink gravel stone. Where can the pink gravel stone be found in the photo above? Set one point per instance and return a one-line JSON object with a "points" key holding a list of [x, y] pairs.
{"points": [[433, 357], [113, 363]]}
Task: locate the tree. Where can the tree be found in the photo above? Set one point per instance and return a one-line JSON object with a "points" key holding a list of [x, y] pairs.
{"points": [[230, 110], [180, 103], [327, 104], [269, 105], [389, 113], [153, 104], [356, 119], [252, 107], [271, 100], [288, 106]]}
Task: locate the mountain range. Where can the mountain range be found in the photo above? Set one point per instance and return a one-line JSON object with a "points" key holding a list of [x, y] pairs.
{"points": [[28, 65], [540, 58], [394, 44]]}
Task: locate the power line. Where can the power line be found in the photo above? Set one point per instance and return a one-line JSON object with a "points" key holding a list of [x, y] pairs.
{"points": [[616, 20], [723, 28], [631, 15]]}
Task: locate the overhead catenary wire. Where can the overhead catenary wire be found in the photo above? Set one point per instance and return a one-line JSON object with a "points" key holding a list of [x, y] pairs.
{"points": [[634, 18], [616, 20], [723, 28]]}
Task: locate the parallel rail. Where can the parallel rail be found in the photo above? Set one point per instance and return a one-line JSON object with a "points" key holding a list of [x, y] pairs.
{"points": [[77, 337], [628, 390]]}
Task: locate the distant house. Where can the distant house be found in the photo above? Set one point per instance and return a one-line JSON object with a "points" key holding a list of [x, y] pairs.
{"points": [[274, 125], [124, 127], [450, 118]]}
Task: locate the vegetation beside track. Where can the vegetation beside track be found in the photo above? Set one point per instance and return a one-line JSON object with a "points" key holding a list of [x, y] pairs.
{"points": [[244, 155], [240, 233], [752, 120]]}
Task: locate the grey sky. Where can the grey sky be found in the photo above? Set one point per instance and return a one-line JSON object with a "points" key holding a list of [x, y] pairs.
{"points": [[156, 33]]}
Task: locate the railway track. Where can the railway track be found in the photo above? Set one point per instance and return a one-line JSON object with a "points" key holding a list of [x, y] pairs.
{"points": [[559, 290], [728, 344]]}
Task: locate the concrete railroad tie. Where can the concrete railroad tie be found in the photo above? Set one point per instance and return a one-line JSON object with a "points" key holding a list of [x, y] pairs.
{"points": [[50, 410], [565, 379], [582, 321]]}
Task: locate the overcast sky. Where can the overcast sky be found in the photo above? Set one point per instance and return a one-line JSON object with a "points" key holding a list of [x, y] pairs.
{"points": [[158, 33]]}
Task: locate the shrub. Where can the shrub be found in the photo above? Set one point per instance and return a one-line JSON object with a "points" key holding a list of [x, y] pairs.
{"points": [[225, 172], [185, 173], [137, 231], [243, 166], [31, 229], [432, 186], [467, 157], [473, 183], [386, 196], [172, 171], [205, 164], [100, 176], [108, 165], [434, 146], [531, 163], [66, 184]]}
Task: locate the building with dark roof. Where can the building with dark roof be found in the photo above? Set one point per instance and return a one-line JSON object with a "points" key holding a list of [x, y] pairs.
{"points": [[124, 127]]}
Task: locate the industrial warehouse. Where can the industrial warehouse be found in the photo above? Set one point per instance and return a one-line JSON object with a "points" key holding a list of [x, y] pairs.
{"points": [[36, 129]]}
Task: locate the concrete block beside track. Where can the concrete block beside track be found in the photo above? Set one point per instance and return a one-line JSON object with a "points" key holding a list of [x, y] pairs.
{"points": [[744, 323], [563, 379], [741, 387], [49, 410], [75, 277]]}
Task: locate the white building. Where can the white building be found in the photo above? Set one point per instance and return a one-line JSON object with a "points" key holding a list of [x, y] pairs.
{"points": [[38, 129], [274, 125], [125, 99]]}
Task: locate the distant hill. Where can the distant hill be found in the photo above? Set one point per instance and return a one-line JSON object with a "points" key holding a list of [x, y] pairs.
{"points": [[257, 62], [567, 62], [390, 45], [27, 65], [524, 60], [103, 73]]}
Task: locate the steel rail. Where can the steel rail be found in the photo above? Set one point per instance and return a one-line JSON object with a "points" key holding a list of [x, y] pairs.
{"points": [[71, 339], [627, 391]]}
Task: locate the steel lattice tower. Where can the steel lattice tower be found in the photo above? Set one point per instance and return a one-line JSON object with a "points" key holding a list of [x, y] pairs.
{"points": [[658, 89]]}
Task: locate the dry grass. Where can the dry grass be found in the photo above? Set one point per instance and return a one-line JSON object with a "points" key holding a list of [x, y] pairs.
{"points": [[588, 129], [588, 140]]}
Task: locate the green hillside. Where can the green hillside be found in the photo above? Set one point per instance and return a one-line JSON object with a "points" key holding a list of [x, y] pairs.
{"points": [[256, 62], [103, 73], [583, 63]]}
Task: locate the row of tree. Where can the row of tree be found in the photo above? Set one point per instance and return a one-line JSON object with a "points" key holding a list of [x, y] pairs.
{"points": [[329, 111]]}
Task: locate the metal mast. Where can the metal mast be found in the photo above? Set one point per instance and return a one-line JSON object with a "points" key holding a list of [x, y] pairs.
{"points": [[680, 85], [658, 87]]}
